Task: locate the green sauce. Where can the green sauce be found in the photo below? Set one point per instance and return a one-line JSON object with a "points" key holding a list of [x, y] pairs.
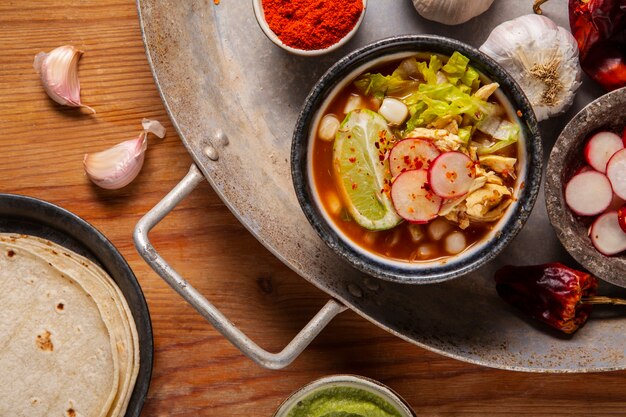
{"points": [[343, 402]]}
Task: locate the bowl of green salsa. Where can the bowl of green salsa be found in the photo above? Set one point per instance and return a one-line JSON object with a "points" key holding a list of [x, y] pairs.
{"points": [[344, 396]]}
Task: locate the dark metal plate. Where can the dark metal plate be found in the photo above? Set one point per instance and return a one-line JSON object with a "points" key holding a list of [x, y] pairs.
{"points": [[27, 215]]}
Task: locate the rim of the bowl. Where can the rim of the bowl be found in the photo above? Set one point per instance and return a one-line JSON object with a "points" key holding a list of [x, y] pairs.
{"points": [[387, 393], [415, 273], [260, 18], [576, 243]]}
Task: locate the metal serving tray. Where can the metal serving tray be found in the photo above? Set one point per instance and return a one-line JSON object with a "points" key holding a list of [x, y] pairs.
{"points": [[234, 98]]}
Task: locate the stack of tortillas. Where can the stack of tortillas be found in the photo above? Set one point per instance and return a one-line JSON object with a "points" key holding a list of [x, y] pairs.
{"points": [[68, 342]]}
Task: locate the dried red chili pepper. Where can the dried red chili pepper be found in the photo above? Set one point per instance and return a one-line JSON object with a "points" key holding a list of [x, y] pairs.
{"points": [[552, 293], [599, 27]]}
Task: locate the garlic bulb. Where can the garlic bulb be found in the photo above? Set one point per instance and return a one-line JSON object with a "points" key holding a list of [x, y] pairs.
{"points": [[543, 59], [58, 70], [116, 167], [451, 12]]}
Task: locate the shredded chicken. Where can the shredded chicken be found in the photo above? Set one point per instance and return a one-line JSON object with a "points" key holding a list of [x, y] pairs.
{"points": [[444, 121], [442, 139], [459, 216], [422, 132], [486, 91], [473, 153], [500, 164], [452, 204], [484, 203], [452, 127], [488, 203], [492, 177]]}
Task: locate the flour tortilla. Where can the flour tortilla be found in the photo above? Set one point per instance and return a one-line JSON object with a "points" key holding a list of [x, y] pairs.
{"points": [[114, 313], [60, 361], [128, 340]]}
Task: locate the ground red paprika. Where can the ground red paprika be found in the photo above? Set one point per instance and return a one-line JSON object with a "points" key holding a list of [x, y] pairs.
{"points": [[311, 24]]}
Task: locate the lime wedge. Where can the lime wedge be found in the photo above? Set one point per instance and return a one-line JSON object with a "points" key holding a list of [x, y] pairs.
{"points": [[361, 171]]}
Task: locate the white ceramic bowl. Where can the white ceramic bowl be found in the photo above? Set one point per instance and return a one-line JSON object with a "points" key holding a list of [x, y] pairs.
{"points": [[260, 17], [352, 381]]}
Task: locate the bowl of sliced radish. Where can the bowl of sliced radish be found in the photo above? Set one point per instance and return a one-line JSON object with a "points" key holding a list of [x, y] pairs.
{"points": [[586, 187], [416, 158]]}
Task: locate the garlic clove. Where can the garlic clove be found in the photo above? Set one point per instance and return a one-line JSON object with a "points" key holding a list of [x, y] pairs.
{"points": [[543, 59], [451, 12], [118, 166], [58, 71]]}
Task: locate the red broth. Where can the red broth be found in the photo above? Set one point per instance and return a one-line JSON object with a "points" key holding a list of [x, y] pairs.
{"points": [[396, 243]]}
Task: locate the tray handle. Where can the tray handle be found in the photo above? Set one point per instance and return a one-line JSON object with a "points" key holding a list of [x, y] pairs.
{"points": [[202, 305]]}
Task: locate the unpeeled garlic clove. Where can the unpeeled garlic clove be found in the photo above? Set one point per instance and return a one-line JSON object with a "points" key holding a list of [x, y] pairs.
{"points": [[118, 166], [58, 70]]}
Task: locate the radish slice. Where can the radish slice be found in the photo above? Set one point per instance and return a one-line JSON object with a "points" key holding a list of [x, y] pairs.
{"points": [[451, 174], [606, 234], [616, 171], [621, 217], [588, 193], [600, 148], [624, 136], [411, 154], [412, 197]]}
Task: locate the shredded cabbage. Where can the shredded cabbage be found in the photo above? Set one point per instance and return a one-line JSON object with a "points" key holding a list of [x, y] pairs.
{"points": [[506, 134], [506, 131], [379, 86], [429, 71], [470, 78], [494, 147], [431, 101], [465, 133], [433, 90], [455, 67]]}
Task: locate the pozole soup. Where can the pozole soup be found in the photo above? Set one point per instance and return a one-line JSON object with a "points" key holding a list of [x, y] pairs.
{"points": [[417, 159]]}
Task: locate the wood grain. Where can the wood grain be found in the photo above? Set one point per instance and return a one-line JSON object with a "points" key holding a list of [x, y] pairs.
{"points": [[196, 371]]}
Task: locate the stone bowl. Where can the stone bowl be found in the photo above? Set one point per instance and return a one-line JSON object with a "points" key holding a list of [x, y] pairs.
{"points": [[530, 155], [605, 113]]}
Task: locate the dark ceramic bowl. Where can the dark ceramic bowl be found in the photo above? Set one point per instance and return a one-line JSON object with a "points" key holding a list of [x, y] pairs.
{"points": [[527, 185], [606, 113]]}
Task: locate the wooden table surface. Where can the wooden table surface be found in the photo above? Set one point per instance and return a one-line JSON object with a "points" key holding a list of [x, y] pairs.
{"points": [[196, 371]]}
